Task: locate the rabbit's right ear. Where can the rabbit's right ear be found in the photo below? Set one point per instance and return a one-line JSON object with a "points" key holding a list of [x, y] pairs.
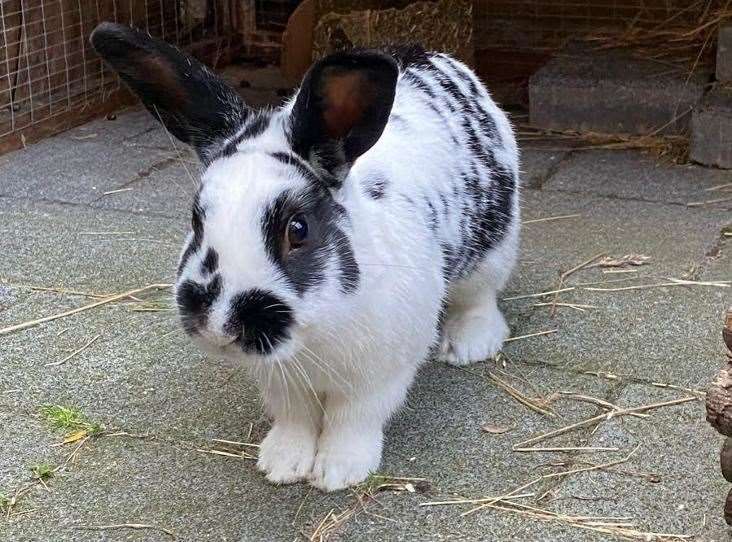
{"points": [[194, 104]]}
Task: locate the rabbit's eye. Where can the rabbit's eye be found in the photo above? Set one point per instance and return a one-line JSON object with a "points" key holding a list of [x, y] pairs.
{"points": [[297, 231]]}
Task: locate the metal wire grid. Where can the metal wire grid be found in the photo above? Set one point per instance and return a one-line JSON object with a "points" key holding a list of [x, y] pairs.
{"points": [[47, 66]]}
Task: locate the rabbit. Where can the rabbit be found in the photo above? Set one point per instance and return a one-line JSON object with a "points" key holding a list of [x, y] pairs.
{"points": [[339, 241]]}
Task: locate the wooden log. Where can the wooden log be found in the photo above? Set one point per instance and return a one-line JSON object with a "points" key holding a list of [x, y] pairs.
{"points": [[719, 395]]}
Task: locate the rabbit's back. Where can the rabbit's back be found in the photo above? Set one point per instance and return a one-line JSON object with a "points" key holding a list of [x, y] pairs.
{"points": [[449, 156]]}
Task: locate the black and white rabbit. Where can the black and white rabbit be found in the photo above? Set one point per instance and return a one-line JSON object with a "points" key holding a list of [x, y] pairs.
{"points": [[330, 235]]}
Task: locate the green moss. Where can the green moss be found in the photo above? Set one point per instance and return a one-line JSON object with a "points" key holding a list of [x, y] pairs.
{"points": [[70, 419], [43, 471]]}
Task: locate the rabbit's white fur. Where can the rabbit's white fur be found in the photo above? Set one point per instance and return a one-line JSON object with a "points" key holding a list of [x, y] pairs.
{"points": [[414, 235], [353, 357]]}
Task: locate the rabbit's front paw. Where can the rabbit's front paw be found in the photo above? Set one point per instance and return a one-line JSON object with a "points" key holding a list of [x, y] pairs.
{"points": [[474, 336], [287, 453], [345, 463]]}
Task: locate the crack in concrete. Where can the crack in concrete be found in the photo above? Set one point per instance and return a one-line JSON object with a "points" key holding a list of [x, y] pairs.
{"points": [[713, 254], [88, 206], [160, 165]]}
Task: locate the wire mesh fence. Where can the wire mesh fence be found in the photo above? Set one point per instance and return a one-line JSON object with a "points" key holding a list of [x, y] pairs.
{"points": [[48, 68]]}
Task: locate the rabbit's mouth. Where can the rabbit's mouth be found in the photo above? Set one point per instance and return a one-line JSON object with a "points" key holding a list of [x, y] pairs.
{"points": [[239, 350]]}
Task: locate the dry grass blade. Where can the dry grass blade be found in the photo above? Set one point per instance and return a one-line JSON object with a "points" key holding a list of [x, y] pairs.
{"points": [[594, 467], [537, 405], [717, 283], [68, 292], [225, 453], [672, 282], [566, 274], [31, 323], [602, 417], [568, 449], [135, 526], [575, 306], [528, 336], [512, 494], [708, 202], [634, 260], [611, 528], [550, 219], [596, 401], [478, 501], [495, 429], [723, 187], [235, 442], [74, 353], [506, 497], [539, 294], [119, 190]]}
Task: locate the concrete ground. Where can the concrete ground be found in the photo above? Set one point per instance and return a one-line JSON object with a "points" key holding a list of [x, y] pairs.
{"points": [[103, 208]]}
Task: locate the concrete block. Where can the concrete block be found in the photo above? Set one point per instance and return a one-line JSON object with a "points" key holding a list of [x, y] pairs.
{"points": [[610, 91], [724, 54], [711, 129]]}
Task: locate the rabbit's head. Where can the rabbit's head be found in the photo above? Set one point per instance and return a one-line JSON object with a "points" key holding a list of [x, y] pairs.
{"points": [[269, 256]]}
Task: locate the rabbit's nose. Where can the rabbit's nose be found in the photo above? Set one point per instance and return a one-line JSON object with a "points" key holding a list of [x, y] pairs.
{"points": [[260, 319]]}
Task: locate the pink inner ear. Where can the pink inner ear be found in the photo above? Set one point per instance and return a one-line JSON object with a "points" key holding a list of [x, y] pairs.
{"points": [[152, 68], [346, 99]]}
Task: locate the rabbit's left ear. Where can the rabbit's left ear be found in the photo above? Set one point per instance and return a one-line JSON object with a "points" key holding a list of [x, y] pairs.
{"points": [[194, 104], [343, 106]]}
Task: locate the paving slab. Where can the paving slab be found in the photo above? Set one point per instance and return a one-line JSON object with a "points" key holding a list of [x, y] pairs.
{"points": [[661, 333], [74, 246], [166, 189], [633, 175], [724, 54], [711, 129], [611, 91], [672, 484], [77, 166]]}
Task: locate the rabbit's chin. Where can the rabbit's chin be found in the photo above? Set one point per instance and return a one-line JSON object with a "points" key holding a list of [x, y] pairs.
{"points": [[234, 352]]}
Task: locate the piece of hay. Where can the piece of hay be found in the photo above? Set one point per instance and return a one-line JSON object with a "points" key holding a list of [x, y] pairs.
{"points": [[445, 25]]}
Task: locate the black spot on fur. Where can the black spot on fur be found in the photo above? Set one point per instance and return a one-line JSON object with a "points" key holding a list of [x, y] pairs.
{"points": [[194, 300], [416, 80], [260, 320], [377, 188], [397, 119], [304, 266], [349, 271], [210, 262], [197, 217], [291, 159], [191, 249], [254, 128], [432, 219], [408, 55]]}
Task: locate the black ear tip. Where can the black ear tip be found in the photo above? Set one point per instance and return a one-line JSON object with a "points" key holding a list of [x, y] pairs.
{"points": [[105, 31], [363, 59], [108, 37]]}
